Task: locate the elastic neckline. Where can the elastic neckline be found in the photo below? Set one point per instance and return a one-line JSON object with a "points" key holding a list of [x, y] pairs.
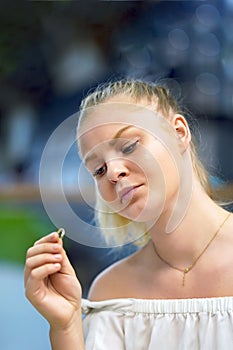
{"points": [[161, 306]]}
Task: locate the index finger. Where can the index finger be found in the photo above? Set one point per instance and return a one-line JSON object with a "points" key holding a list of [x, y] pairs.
{"points": [[52, 237]]}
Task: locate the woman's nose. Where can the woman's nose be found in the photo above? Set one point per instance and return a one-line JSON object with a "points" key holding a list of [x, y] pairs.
{"points": [[116, 170]]}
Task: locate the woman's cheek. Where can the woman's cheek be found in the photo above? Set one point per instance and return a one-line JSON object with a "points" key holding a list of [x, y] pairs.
{"points": [[105, 191]]}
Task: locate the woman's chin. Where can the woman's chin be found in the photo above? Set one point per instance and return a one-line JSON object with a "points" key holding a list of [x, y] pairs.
{"points": [[140, 214]]}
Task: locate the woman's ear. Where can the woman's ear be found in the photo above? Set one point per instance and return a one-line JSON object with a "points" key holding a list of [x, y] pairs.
{"points": [[182, 131]]}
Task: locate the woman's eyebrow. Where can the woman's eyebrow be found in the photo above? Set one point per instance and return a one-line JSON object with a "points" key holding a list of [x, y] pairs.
{"points": [[118, 134], [111, 143]]}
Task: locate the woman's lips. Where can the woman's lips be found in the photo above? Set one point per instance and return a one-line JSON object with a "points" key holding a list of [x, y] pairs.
{"points": [[127, 193]]}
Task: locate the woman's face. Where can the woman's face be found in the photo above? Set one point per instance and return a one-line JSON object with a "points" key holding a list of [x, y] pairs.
{"points": [[134, 157]]}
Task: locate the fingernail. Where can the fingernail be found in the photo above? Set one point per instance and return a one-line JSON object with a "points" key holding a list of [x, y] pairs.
{"points": [[57, 256]]}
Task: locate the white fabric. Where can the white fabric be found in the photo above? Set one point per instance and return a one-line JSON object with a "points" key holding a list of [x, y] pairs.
{"points": [[180, 324]]}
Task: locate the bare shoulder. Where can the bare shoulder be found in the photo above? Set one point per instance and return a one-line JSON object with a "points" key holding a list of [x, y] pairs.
{"points": [[116, 281]]}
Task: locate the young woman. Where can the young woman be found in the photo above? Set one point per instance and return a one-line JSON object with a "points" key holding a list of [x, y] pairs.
{"points": [[176, 291]]}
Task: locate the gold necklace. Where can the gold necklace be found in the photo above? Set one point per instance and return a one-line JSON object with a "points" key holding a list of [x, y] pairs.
{"points": [[189, 268]]}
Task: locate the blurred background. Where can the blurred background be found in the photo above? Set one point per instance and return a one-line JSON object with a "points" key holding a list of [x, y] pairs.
{"points": [[51, 54]]}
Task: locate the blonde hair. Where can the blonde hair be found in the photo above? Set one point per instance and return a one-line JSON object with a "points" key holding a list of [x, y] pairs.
{"points": [[137, 91]]}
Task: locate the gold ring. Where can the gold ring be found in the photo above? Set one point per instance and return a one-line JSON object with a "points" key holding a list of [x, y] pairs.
{"points": [[61, 232]]}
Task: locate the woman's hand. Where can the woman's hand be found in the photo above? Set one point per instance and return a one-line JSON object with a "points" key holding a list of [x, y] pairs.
{"points": [[50, 282]]}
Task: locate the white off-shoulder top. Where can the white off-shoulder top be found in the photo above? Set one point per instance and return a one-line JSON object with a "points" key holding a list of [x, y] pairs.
{"points": [[138, 324]]}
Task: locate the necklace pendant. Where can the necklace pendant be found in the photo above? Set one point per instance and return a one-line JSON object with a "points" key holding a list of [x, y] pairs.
{"points": [[185, 271]]}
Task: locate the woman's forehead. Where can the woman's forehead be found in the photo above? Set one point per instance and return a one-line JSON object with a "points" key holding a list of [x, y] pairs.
{"points": [[118, 112], [108, 133]]}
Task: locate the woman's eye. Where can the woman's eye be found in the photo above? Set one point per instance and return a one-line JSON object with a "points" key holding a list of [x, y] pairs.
{"points": [[100, 171], [130, 148]]}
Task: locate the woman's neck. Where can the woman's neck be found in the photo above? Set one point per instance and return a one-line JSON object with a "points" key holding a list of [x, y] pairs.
{"points": [[199, 224]]}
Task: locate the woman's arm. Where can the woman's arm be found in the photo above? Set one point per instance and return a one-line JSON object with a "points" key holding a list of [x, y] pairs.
{"points": [[70, 338]]}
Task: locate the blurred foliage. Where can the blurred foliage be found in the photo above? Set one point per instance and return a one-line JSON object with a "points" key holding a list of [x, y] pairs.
{"points": [[20, 227], [21, 30], [19, 25]]}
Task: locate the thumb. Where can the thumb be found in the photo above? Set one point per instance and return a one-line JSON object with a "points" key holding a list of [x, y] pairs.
{"points": [[66, 266]]}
